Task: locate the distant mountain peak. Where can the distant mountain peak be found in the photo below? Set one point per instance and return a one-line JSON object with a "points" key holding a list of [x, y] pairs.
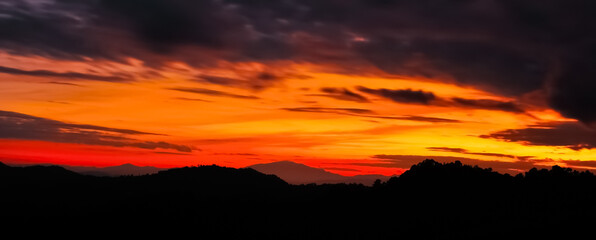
{"points": [[119, 170], [298, 173], [283, 162]]}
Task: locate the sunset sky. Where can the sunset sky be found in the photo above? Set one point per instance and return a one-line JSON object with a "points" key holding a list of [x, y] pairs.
{"points": [[352, 86]]}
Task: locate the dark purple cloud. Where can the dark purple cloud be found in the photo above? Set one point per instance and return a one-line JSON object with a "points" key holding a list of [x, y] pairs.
{"points": [[65, 75], [341, 94], [465, 151], [219, 80], [211, 92], [509, 47], [571, 135], [21, 126], [258, 81], [402, 95], [367, 113], [192, 99], [65, 83], [571, 90], [409, 96], [330, 110], [419, 119], [488, 104]]}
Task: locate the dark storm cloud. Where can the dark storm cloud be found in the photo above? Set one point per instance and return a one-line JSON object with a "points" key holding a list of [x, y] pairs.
{"points": [[166, 23], [469, 62], [211, 92], [150, 30], [21, 126], [53, 30], [268, 48], [63, 75], [571, 91], [509, 47], [571, 135]]}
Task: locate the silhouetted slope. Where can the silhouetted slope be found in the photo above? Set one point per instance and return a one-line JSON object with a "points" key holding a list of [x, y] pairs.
{"points": [[36, 172], [295, 173], [480, 203], [209, 176], [429, 201], [114, 171]]}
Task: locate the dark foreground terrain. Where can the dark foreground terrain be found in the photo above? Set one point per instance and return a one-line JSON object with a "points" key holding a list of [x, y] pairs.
{"points": [[430, 201]]}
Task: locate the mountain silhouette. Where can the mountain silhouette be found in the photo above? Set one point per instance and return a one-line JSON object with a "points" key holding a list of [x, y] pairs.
{"points": [[216, 176], [114, 171], [430, 201], [296, 173], [36, 171]]}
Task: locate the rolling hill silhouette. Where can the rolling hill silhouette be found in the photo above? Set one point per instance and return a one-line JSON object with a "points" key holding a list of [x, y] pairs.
{"points": [[430, 201], [111, 171], [295, 173], [114, 171], [36, 172]]}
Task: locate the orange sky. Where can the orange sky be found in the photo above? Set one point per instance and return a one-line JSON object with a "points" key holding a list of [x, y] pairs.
{"points": [[263, 120]]}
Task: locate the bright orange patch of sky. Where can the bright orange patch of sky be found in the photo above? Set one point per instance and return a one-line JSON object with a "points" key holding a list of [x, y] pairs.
{"points": [[250, 126]]}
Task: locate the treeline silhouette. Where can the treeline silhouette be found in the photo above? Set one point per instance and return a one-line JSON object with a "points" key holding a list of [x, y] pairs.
{"points": [[430, 201]]}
